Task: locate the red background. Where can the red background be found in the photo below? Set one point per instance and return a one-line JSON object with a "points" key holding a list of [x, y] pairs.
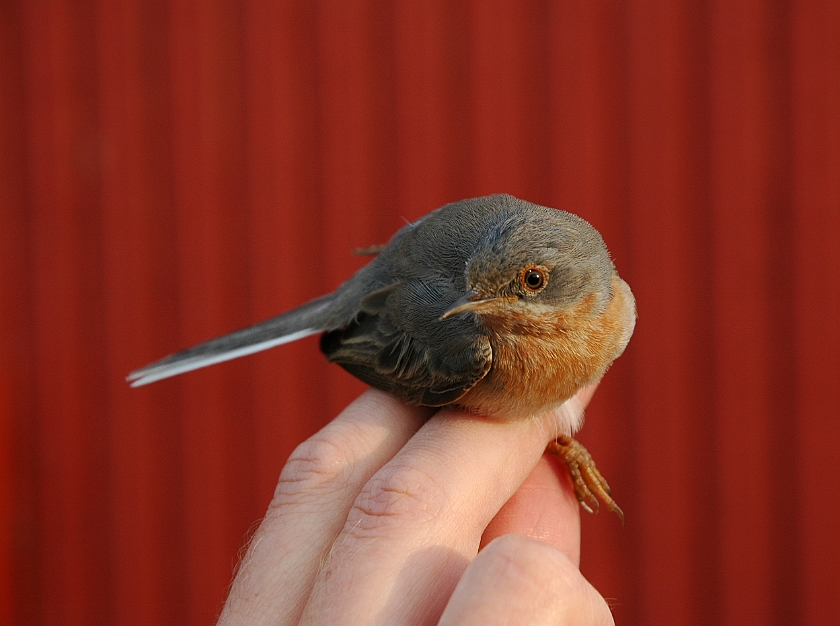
{"points": [[172, 170]]}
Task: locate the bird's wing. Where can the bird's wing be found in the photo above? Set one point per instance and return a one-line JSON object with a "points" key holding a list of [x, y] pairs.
{"points": [[398, 343]]}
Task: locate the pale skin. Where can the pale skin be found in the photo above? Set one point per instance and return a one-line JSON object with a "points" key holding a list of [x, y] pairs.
{"points": [[388, 517]]}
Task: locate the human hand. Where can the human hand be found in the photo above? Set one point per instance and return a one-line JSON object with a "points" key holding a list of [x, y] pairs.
{"points": [[378, 517]]}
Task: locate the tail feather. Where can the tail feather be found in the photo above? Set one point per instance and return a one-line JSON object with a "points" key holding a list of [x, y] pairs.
{"points": [[297, 324]]}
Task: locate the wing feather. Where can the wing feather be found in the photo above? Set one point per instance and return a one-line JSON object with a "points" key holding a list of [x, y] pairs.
{"points": [[398, 343]]}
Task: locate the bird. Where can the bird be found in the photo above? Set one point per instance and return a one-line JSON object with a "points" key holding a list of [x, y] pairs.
{"points": [[494, 304]]}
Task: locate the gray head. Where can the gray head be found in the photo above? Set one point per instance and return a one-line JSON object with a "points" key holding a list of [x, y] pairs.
{"points": [[536, 256]]}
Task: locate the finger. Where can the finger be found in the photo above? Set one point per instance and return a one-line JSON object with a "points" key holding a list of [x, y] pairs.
{"points": [[519, 580], [545, 507], [418, 522], [317, 487], [585, 394]]}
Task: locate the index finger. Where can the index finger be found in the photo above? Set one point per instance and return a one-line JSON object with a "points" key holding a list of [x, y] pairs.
{"points": [[545, 506], [418, 522]]}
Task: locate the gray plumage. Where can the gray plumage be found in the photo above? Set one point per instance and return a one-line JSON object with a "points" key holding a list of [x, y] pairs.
{"points": [[384, 324]]}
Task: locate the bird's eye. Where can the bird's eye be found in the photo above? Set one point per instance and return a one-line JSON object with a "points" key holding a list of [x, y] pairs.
{"points": [[533, 279]]}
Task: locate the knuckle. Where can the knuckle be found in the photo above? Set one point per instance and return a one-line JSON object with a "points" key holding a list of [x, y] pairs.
{"points": [[315, 466], [396, 497]]}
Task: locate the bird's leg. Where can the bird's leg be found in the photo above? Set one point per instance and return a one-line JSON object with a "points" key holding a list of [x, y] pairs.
{"points": [[588, 482]]}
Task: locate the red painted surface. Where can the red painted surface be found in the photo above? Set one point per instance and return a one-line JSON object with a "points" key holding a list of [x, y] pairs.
{"points": [[173, 170]]}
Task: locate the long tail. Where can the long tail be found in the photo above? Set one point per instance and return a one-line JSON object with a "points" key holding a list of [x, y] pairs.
{"points": [[291, 326]]}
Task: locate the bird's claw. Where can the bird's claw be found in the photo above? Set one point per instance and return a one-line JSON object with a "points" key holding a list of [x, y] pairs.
{"points": [[588, 482]]}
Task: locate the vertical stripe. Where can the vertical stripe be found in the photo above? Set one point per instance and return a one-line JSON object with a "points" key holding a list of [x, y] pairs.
{"points": [[174, 169]]}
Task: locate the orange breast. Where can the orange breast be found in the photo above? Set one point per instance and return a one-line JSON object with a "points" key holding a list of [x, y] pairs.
{"points": [[541, 357]]}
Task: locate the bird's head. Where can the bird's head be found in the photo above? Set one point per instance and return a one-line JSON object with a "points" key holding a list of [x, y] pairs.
{"points": [[535, 261]]}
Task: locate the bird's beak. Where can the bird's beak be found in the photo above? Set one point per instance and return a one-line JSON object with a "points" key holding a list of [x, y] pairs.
{"points": [[472, 302]]}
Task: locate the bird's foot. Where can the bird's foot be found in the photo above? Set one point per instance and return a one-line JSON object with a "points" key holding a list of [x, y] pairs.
{"points": [[588, 482]]}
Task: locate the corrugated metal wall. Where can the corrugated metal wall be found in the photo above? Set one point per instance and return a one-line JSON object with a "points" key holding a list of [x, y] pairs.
{"points": [[172, 170]]}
